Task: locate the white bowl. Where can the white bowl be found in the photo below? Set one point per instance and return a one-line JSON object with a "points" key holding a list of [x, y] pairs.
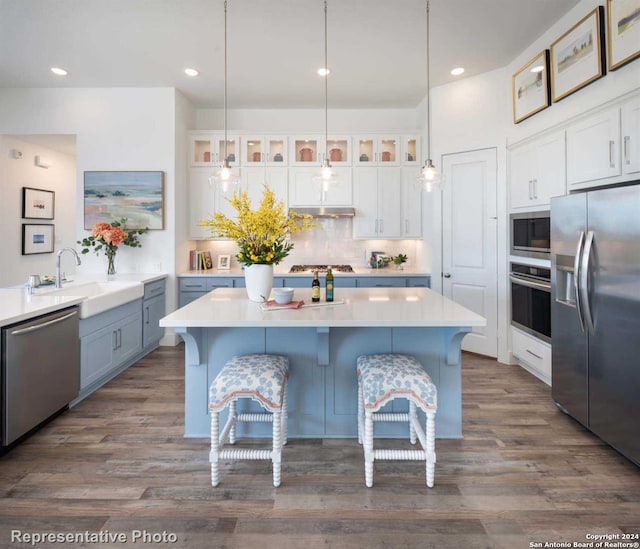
{"points": [[283, 295]]}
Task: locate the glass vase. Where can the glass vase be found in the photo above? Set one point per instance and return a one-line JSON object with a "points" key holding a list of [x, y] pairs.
{"points": [[111, 265]]}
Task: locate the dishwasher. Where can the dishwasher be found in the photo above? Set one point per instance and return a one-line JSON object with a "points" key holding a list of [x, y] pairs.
{"points": [[40, 371]]}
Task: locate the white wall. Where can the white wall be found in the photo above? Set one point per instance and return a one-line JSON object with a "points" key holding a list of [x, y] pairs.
{"points": [[612, 85], [60, 178]]}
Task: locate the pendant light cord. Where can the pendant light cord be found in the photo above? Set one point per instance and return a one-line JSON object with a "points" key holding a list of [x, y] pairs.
{"points": [[326, 87], [428, 92], [225, 83]]}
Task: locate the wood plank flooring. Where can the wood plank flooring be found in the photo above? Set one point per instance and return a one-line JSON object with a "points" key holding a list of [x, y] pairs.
{"points": [[523, 474]]}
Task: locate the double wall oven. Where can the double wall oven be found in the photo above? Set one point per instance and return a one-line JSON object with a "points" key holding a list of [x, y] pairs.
{"points": [[531, 283]]}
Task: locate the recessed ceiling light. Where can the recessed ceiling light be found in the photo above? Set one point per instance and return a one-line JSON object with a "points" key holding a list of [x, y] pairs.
{"points": [[457, 71], [323, 71], [58, 71], [191, 72], [538, 68]]}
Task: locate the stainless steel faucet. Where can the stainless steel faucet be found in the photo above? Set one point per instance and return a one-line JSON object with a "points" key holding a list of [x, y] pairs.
{"points": [[59, 254]]}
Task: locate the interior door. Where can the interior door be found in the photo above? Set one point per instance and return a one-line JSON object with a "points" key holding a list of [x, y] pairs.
{"points": [[469, 247]]}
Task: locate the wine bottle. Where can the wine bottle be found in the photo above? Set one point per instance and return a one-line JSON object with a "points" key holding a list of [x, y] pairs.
{"points": [[329, 285], [315, 287]]}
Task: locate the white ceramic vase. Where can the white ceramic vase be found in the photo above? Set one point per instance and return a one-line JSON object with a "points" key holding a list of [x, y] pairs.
{"points": [[259, 281]]}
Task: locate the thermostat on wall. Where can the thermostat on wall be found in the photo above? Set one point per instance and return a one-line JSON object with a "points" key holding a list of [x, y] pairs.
{"points": [[43, 161]]}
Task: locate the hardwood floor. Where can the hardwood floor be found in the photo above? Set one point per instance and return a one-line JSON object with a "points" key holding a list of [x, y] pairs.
{"points": [[523, 473]]}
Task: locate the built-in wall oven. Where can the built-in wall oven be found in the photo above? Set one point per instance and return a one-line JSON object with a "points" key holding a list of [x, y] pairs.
{"points": [[531, 234], [531, 299]]}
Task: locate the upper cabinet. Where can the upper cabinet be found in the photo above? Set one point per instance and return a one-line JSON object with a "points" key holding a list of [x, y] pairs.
{"points": [[386, 150], [259, 150], [208, 149], [201, 201], [339, 151], [411, 150], [537, 172], [306, 190], [306, 150], [631, 136]]}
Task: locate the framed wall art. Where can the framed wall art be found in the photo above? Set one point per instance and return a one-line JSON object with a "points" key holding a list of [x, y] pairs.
{"points": [[623, 32], [577, 57], [136, 196], [38, 203], [37, 239], [224, 262], [530, 88]]}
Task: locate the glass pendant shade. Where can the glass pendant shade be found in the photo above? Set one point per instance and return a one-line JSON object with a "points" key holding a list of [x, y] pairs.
{"points": [[430, 179], [325, 175], [224, 177]]}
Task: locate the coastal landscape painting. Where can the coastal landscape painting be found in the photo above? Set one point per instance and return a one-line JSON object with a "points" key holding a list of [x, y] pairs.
{"points": [[623, 17], [136, 196]]}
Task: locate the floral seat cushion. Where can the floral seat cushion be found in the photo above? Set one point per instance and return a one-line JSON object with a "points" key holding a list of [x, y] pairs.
{"points": [[260, 377], [384, 377]]}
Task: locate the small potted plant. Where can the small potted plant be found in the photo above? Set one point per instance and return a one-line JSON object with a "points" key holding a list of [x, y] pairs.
{"points": [[398, 260]]}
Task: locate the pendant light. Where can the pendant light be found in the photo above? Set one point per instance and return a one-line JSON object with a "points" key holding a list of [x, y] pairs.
{"points": [[224, 176], [430, 178], [326, 175]]}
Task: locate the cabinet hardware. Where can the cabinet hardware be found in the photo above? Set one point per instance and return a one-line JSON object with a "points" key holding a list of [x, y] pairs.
{"points": [[533, 354], [446, 275], [406, 225], [530, 191], [40, 326], [146, 309], [381, 226], [535, 189], [376, 227], [627, 139], [115, 340], [611, 160]]}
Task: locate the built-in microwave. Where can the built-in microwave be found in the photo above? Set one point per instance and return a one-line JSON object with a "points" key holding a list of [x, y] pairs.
{"points": [[531, 234]]}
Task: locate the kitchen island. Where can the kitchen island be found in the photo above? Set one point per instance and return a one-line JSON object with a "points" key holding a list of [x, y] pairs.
{"points": [[322, 344]]}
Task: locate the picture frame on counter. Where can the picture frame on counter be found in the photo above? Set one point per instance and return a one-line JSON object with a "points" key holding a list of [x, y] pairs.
{"points": [[38, 203], [530, 88], [577, 57], [623, 32], [224, 262], [137, 196], [37, 238]]}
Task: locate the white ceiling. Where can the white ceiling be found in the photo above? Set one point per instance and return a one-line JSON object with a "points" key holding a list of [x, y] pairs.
{"points": [[376, 47]]}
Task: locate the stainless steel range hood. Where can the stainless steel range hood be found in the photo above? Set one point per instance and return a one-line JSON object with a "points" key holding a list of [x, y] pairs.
{"points": [[328, 212]]}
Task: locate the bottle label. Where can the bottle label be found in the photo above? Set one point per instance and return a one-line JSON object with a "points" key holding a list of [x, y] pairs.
{"points": [[329, 291], [315, 292]]}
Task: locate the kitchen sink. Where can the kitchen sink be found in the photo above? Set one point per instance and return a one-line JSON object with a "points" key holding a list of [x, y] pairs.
{"points": [[100, 296]]}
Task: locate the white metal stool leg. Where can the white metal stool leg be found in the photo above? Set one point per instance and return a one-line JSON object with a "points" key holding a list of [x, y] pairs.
{"points": [[276, 456], [215, 447], [368, 449], [285, 415], [233, 416], [360, 413], [430, 449], [413, 416]]}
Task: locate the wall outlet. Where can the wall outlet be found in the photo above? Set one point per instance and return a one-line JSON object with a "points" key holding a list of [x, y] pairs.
{"points": [[15, 153]]}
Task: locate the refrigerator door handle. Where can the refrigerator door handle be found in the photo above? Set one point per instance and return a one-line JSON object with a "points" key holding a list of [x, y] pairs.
{"points": [[584, 281], [576, 279]]}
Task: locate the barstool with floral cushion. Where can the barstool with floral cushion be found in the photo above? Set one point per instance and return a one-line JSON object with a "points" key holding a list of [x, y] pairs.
{"points": [[381, 379], [262, 378]]}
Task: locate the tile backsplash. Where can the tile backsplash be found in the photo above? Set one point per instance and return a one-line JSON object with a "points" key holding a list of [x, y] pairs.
{"points": [[330, 243]]}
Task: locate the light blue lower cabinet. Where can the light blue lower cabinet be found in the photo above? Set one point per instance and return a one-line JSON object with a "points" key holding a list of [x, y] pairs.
{"points": [[153, 309], [382, 282]]}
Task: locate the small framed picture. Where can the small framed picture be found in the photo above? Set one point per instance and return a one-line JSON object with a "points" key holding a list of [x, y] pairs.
{"points": [[623, 32], [577, 57], [530, 88], [37, 239], [37, 203], [224, 262]]}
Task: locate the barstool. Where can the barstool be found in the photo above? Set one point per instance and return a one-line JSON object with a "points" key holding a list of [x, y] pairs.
{"points": [[262, 378], [381, 379]]}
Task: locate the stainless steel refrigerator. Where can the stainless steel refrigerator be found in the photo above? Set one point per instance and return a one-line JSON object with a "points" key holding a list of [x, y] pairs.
{"points": [[595, 312]]}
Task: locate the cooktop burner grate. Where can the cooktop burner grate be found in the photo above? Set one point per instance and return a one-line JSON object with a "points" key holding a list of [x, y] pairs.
{"points": [[321, 268]]}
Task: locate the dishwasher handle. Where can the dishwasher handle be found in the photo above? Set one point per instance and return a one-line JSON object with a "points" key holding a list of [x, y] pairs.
{"points": [[42, 325]]}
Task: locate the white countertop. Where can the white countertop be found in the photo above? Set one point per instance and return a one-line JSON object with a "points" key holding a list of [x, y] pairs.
{"points": [[363, 307], [358, 271], [17, 305]]}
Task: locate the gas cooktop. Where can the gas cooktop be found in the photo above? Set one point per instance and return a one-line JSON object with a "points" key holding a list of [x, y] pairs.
{"points": [[321, 268]]}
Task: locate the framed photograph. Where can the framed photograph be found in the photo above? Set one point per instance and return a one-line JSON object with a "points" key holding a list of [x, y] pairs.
{"points": [[136, 196], [208, 262], [623, 32], [37, 203], [37, 239], [530, 88], [577, 57], [224, 262]]}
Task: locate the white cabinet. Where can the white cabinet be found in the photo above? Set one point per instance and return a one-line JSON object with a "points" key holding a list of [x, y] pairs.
{"points": [[630, 113], [254, 179], [411, 211], [377, 200], [411, 150], [207, 149], [537, 172], [201, 201], [339, 151], [306, 150], [259, 150], [306, 190], [593, 148], [533, 354], [376, 150]]}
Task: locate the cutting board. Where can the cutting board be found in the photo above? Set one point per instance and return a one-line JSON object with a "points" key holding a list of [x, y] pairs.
{"points": [[276, 307]]}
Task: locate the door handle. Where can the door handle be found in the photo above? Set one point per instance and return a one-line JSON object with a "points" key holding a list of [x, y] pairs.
{"points": [[530, 190], [584, 281], [534, 354], [627, 139], [43, 325], [576, 280], [446, 275], [146, 311]]}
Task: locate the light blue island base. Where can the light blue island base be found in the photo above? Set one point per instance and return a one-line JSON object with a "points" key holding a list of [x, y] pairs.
{"points": [[322, 388]]}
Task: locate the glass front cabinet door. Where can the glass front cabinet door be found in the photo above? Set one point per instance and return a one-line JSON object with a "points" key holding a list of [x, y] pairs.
{"points": [[373, 150], [207, 149], [306, 150], [411, 150], [264, 150], [339, 151]]}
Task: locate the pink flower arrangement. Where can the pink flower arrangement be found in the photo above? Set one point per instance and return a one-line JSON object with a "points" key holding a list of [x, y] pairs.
{"points": [[109, 236]]}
